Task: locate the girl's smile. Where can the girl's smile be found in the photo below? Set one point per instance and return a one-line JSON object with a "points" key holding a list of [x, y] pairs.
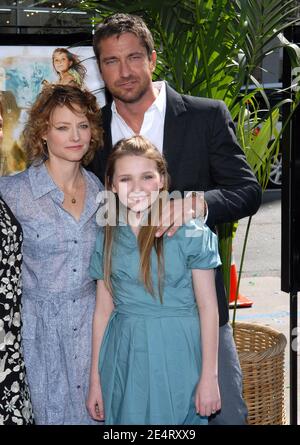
{"points": [[137, 182]]}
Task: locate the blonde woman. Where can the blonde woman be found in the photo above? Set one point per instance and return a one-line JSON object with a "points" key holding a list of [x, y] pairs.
{"points": [[156, 316]]}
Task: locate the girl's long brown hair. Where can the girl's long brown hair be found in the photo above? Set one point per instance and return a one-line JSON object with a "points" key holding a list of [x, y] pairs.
{"points": [[138, 146]]}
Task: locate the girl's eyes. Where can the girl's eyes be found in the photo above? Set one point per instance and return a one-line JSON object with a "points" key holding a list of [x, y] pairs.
{"points": [[146, 177]]}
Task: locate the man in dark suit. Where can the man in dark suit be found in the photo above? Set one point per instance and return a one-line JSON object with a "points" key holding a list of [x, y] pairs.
{"points": [[196, 136]]}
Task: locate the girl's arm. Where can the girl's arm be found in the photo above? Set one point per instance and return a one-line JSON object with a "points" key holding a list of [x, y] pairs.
{"points": [[207, 397], [103, 309]]}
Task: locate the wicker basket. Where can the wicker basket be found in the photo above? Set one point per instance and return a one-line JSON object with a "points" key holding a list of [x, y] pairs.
{"points": [[261, 354]]}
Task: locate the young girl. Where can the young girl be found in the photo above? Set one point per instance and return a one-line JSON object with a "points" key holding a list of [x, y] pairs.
{"points": [[68, 67], [156, 316]]}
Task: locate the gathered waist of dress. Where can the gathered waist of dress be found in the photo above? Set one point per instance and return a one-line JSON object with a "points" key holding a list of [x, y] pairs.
{"points": [[40, 293], [156, 311]]}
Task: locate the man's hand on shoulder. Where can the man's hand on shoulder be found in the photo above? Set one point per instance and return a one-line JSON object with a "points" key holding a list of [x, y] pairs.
{"points": [[177, 212]]}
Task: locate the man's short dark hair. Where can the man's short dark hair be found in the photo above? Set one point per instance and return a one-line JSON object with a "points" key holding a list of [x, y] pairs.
{"points": [[120, 23]]}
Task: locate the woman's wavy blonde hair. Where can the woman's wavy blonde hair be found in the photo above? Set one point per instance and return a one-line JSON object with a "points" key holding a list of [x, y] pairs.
{"points": [[138, 146], [39, 120]]}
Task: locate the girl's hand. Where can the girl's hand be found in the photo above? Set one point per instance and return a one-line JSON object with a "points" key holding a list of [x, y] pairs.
{"points": [[94, 402], [207, 396]]}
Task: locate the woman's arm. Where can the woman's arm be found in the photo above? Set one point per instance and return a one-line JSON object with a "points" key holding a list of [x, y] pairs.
{"points": [[103, 309], [207, 397]]}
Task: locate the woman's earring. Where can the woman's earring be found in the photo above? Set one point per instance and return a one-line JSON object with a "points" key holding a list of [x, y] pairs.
{"points": [[45, 147]]}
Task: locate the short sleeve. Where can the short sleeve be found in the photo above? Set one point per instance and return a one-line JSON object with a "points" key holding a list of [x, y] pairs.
{"points": [[201, 246], [96, 263]]}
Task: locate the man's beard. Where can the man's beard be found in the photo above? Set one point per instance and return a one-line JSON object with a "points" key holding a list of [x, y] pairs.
{"points": [[123, 97]]}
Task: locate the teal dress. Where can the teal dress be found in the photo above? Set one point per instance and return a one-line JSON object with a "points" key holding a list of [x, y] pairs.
{"points": [[150, 357]]}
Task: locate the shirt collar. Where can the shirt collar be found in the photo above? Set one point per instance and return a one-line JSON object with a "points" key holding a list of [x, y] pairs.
{"points": [[161, 100], [42, 183], [40, 180], [159, 103]]}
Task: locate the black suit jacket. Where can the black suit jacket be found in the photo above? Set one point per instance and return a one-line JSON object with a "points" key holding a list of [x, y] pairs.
{"points": [[202, 153]]}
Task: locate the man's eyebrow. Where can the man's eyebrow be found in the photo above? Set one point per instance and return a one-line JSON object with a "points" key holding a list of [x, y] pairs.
{"points": [[105, 59], [134, 53]]}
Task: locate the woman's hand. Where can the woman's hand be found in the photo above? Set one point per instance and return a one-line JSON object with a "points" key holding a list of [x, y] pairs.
{"points": [[207, 396], [94, 402]]}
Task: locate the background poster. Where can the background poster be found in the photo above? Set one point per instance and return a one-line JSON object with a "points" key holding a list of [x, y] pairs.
{"points": [[23, 68]]}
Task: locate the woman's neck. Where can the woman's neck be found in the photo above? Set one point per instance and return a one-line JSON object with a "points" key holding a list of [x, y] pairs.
{"points": [[65, 175]]}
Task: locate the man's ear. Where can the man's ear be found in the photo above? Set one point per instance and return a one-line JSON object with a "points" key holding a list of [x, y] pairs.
{"points": [[153, 60]]}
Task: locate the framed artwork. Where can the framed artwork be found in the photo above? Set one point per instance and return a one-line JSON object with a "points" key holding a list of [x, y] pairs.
{"points": [[26, 64]]}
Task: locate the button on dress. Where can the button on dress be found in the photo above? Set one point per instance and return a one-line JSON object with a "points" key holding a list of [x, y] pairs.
{"points": [[58, 293], [150, 357]]}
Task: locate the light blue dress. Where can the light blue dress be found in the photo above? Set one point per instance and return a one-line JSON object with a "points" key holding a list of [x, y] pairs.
{"points": [[58, 293], [150, 357]]}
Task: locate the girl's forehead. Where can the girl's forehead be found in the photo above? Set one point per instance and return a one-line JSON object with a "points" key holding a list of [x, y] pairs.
{"points": [[135, 162], [59, 53]]}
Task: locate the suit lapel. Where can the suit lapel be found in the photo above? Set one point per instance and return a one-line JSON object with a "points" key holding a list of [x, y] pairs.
{"points": [[106, 123], [174, 129]]}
